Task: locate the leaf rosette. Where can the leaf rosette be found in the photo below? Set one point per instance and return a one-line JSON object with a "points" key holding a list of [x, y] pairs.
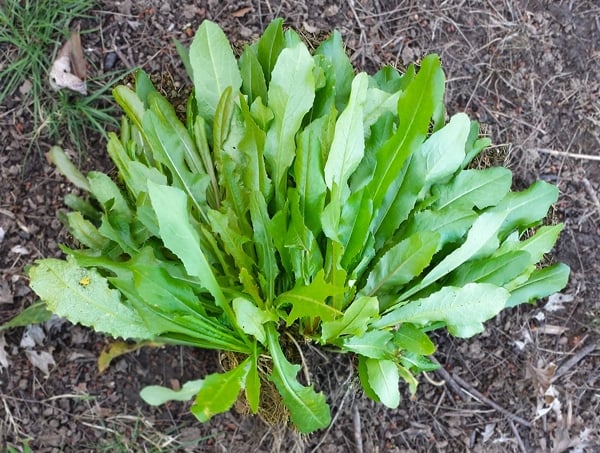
{"points": [[297, 198]]}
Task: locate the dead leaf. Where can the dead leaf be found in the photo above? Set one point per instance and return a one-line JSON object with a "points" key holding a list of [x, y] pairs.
{"points": [[69, 70], [556, 302], [551, 329], [40, 359], [3, 357], [118, 348], [33, 336], [242, 11], [541, 376]]}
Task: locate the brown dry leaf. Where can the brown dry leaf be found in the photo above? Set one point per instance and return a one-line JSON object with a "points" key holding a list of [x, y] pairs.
{"points": [[118, 348], [541, 376], [242, 11], [69, 70], [3, 357]]}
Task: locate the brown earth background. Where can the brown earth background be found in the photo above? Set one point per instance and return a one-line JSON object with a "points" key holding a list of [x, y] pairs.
{"points": [[528, 70]]}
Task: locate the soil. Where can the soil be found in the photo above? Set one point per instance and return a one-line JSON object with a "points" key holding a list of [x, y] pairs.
{"points": [[528, 70]]}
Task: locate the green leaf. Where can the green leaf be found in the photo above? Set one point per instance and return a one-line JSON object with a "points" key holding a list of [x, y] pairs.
{"points": [[415, 109], [308, 409], [155, 395], [444, 150], [354, 321], [347, 149], [219, 391], [311, 301], [264, 246], [482, 240], [403, 262], [251, 319], [224, 224], [178, 235], [167, 149], [184, 56], [375, 344], [214, 68], [83, 296], [253, 78], [462, 310], [497, 270], [333, 50], [480, 188], [451, 224], [269, 46], [412, 339], [291, 94], [527, 207], [64, 165], [541, 283], [85, 231], [253, 384], [313, 141], [537, 245], [34, 314], [383, 380]]}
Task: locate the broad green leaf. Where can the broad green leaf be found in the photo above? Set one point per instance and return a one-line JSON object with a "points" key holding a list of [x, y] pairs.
{"points": [[404, 192], [253, 77], [155, 395], [311, 301], [264, 246], [355, 223], [178, 235], [85, 207], [537, 245], [444, 150], [251, 319], [219, 391], [355, 320], [214, 68], [184, 55], [389, 79], [85, 231], [451, 224], [308, 409], [83, 296], [479, 188], [482, 240], [415, 109], [378, 102], [527, 207], [363, 376], [269, 46], [225, 226], [403, 262], [165, 112], [119, 348], [34, 314], [412, 339], [252, 145], [333, 50], [132, 105], [308, 169], [541, 283], [168, 150], [462, 310], [64, 165], [497, 270], [109, 195], [383, 380], [408, 377], [417, 362], [291, 94], [347, 148], [375, 344], [253, 384]]}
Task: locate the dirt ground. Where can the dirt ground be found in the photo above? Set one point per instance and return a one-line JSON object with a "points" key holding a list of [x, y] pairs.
{"points": [[528, 70]]}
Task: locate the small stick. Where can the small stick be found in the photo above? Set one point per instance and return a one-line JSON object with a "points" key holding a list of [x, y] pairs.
{"points": [[591, 192], [490, 403], [357, 429], [441, 371], [565, 367], [516, 433], [553, 152]]}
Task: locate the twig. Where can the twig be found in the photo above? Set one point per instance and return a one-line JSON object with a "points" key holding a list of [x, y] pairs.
{"points": [[357, 429], [516, 433], [554, 152], [490, 403], [591, 193], [565, 367], [441, 371]]}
